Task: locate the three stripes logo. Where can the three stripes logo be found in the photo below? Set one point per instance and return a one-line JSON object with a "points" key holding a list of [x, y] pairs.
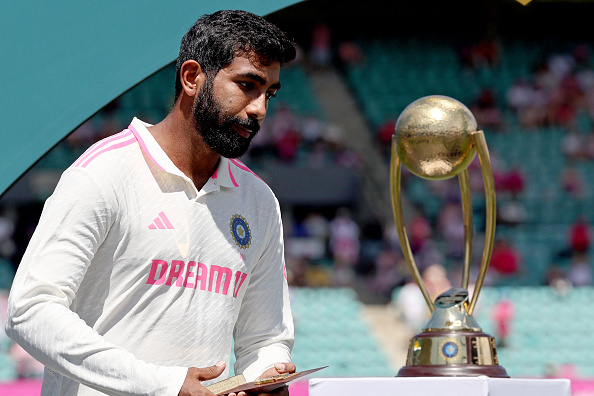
{"points": [[161, 222]]}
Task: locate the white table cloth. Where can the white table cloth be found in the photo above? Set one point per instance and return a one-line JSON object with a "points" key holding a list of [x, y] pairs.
{"points": [[439, 386]]}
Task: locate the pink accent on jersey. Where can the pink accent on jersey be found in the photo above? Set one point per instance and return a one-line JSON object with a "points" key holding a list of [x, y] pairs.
{"points": [[159, 224], [177, 268], [242, 166], [218, 278], [202, 276], [166, 220], [190, 274], [144, 147], [237, 279], [99, 145], [105, 150], [231, 175], [98, 148], [151, 278]]}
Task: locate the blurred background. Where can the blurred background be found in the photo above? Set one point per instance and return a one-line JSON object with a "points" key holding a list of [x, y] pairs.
{"points": [[526, 73]]}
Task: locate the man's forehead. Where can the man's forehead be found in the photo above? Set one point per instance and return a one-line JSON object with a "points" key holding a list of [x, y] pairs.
{"points": [[252, 64]]}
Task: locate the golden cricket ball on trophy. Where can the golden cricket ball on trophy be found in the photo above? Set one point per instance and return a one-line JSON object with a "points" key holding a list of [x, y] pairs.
{"points": [[436, 138], [433, 137]]}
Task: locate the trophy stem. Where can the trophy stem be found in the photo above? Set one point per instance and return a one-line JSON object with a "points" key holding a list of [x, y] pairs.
{"points": [[397, 209], [467, 211], [480, 143]]}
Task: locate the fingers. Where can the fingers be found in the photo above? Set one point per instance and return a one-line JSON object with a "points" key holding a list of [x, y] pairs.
{"points": [[283, 368], [208, 373]]}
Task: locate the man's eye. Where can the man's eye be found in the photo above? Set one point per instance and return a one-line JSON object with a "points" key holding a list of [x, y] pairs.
{"points": [[247, 85], [270, 95]]}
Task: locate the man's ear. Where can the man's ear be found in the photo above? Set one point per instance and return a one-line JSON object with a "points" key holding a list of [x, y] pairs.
{"points": [[191, 77]]}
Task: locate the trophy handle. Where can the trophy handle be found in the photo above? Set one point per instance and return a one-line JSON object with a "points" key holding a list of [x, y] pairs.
{"points": [[467, 212], [480, 143], [395, 165]]}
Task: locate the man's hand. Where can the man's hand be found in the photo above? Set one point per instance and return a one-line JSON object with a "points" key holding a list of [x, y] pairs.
{"points": [[279, 368], [192, 385]]}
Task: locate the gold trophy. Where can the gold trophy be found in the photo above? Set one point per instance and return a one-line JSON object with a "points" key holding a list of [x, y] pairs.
{"points": [[436, 138]]}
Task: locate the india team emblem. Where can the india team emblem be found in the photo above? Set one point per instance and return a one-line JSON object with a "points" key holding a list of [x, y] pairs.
{"points": [[240, 230], [449, 349]]}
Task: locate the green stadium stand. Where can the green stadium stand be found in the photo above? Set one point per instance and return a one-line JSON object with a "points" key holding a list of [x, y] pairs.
{"points": [[547, 329], [330, 330]]}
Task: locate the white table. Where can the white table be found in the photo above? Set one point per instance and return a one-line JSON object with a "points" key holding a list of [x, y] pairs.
{"points": [[439, 386]]}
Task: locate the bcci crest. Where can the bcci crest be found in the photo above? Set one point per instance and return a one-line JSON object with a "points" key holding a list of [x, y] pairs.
{"points": [[240, 230], [449, 349]]}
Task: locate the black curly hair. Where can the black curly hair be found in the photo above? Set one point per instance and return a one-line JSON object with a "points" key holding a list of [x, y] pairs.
{"points": [[216, 39]]}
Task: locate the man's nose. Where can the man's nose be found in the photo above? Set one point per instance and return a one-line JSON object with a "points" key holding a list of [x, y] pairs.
{"points": [[257, 108]]}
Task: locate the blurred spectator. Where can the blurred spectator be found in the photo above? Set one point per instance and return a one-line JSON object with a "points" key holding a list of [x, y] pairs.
{"points": [[349, 54], [284, 128], [436, 280], [572, 145], [503, 314], [410, 303], [344, 246], [316, 225], [450, 224], [513, 182], [419, 231], [579, 236], [560, 65], [321, 50], [511, 212], [561, 107], [485, 53], [529, 102], [390, 272], [520, 96], [311, 129], [486, 111], [580, 270], [505, 259], [572, 182]]}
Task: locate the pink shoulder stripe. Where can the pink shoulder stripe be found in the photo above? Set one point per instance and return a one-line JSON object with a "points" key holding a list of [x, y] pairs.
{"points": [[100, 144], [144, 147], [242, 166], [109, 148], [231, 176]]}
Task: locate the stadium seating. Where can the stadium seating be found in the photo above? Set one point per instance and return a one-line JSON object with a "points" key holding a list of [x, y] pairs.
{"points": [[547, 329], [331, 331]]}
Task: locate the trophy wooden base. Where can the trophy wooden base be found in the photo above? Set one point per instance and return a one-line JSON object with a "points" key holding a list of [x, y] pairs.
{"points": [[452, 354], [453, 370]]}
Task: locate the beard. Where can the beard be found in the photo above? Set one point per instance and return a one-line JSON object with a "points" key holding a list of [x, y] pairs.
{"points": [[215, 126]]}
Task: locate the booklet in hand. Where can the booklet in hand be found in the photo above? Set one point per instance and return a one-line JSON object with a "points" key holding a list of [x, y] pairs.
{"points": [[238, 383]]}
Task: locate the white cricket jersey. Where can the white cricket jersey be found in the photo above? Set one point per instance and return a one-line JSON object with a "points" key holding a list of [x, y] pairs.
{"points": [[133, 275]]}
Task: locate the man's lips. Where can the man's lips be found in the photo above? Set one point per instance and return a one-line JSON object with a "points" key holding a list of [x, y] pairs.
{"points": [[243, 131]]}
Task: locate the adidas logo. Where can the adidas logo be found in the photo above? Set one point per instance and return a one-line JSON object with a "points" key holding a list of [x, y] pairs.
{"points": [[161, 222]]}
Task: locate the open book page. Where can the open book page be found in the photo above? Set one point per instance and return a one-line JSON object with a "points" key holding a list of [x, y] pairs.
{"points": [[238, 383]]}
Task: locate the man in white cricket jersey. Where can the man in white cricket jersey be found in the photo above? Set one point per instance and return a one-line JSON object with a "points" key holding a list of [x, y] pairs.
{"points": [[159, 247]]}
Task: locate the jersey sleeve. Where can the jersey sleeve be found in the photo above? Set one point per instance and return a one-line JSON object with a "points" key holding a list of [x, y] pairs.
{"points": [[264, 332], [74, 222]]}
